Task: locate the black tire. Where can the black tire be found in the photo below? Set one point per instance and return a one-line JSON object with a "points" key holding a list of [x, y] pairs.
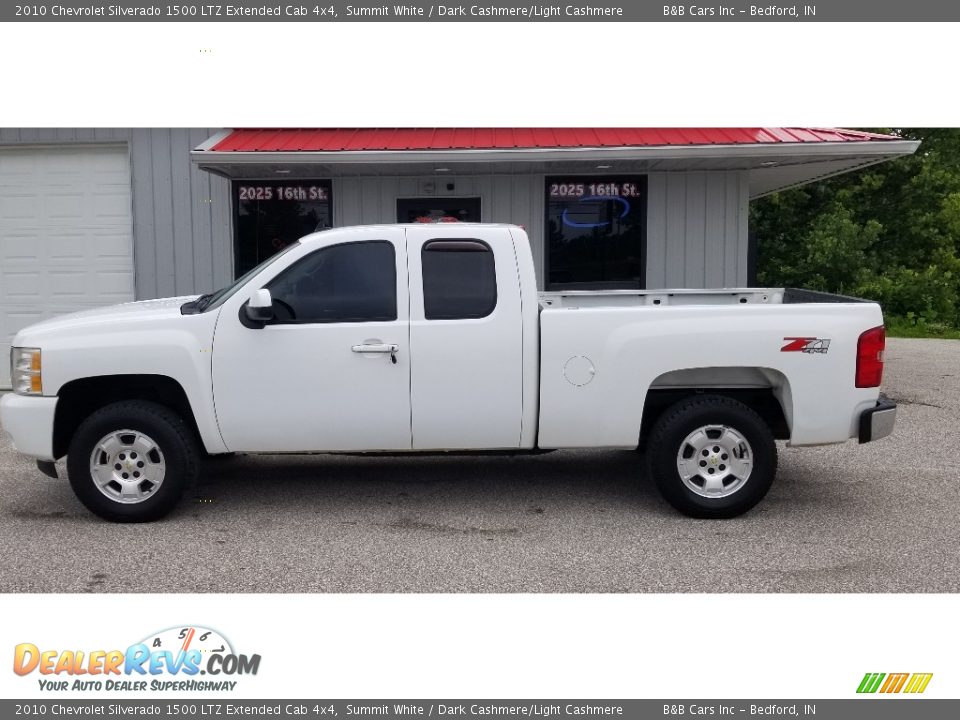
{"points": [[174, 439], [668, 438]]}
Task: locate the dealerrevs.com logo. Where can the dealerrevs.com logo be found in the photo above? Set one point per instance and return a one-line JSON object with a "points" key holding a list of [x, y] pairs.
{"points": [[173, 659]]}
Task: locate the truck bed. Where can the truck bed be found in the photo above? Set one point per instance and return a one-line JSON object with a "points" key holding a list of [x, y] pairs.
{"points": [[602, 352]]}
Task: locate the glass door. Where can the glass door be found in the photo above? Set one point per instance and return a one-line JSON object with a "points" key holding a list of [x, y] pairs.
{"points": [[438, 209]]}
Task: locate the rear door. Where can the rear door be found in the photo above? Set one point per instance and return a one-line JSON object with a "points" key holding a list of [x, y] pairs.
{"points": [[465, 338]]}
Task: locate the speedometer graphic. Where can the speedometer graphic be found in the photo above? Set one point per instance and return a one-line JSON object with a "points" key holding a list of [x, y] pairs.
{"points": [[192, 637]]}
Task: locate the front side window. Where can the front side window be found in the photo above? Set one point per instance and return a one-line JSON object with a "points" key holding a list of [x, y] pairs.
{"points": [[459, 280], [350, 282], [596, 232]]}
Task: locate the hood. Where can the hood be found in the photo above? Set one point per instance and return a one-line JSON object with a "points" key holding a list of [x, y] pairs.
{"points": [[125, 314]]}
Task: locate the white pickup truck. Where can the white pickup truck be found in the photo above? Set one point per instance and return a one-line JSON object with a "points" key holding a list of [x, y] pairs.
{"points": [[432, 338]]}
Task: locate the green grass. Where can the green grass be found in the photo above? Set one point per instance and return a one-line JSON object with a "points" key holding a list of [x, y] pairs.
{"points": [[903, 328]]}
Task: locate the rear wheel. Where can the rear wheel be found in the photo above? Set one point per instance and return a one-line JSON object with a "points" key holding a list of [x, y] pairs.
{"points": [[712, 456], [131, 461]]}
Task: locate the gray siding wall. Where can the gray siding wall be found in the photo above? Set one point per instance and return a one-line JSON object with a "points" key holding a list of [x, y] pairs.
{"points": [[697, 229], [183, 234], [182, 228]]}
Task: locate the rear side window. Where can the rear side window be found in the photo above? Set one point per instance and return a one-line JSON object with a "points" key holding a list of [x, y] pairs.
{"points": [[351, 282], [459, 280]]}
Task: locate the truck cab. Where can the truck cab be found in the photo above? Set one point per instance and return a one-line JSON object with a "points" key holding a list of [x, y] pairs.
{"points": [[382, 338]]}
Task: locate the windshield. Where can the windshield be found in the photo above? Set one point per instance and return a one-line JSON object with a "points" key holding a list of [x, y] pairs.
{"points": [[223, 294]]}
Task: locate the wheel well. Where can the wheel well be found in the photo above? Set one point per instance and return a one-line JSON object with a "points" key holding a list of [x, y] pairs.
{"points": [[761, 400], [79, 399]]}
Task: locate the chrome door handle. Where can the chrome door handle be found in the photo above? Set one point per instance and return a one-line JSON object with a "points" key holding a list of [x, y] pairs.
{"points": [[384, 348]]}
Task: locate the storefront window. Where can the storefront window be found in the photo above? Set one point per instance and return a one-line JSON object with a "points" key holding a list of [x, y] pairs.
{"points": [[271, 215], [596, 229]]}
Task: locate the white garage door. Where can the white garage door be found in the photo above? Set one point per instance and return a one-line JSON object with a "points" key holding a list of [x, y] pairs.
{"points": [[66, 239]]}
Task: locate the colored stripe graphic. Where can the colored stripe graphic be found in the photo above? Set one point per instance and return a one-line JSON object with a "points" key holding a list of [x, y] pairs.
{"points": [[870, 682], [894, 683], [918, 683]]}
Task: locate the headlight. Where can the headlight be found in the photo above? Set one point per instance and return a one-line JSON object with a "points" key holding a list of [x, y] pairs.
{"points": [[25, 371]]}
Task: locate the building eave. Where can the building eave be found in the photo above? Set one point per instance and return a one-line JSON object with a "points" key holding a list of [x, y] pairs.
{"points": [[771, 167], [890, 148]]}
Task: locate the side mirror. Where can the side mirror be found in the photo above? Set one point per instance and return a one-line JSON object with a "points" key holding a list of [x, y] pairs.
{"points": [[258, 310]]}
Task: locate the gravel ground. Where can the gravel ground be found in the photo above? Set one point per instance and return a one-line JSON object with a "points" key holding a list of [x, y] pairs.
{"points": [[876, 518]]}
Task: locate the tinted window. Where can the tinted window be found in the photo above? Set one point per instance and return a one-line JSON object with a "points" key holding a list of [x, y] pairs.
{"points": [[458, 280], [596, 228], [352, 282]]}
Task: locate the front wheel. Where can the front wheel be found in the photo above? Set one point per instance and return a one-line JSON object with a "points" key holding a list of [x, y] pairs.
{"points": [[131, 461], [712, 456]]}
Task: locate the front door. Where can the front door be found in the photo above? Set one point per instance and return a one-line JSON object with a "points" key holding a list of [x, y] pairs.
{"points": [[332, 372]]}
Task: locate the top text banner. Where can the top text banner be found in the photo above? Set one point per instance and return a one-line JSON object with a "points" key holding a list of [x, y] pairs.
{"points": [[578, 11]]}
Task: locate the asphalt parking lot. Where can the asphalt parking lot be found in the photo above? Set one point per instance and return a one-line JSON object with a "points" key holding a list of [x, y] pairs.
{"points": [[876, 518]]}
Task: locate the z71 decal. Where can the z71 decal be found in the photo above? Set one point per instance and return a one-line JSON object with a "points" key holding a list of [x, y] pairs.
{"points": [[806, 344]]}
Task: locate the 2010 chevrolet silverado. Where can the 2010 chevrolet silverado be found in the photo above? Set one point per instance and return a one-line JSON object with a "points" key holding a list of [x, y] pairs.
{"points": [[427, 338]]}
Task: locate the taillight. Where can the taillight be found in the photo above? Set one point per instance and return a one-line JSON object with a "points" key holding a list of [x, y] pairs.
{"points": [[870, 357]]}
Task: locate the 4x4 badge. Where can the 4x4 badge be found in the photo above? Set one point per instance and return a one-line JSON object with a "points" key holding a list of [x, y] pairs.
{"points": [[806, 344]]}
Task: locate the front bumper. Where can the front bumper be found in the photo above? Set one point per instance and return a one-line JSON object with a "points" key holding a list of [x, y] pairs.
{"points": [[878, 421], [29, 420]]}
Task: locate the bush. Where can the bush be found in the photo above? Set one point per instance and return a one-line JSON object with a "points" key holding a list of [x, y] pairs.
{"points": [[931, 294]]}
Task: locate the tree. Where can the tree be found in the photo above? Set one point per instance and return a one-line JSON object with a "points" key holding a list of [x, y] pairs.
{"points": [[890, 232]]}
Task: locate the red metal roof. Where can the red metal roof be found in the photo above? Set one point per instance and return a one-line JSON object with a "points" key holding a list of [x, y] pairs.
{"points": [[393, 139]]}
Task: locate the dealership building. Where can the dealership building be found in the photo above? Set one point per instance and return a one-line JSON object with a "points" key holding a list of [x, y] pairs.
{"points": [[90, 217]]}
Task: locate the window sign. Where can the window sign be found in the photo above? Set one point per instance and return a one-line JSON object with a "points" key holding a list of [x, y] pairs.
{"points": [[596, 230], [271, 215]]}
